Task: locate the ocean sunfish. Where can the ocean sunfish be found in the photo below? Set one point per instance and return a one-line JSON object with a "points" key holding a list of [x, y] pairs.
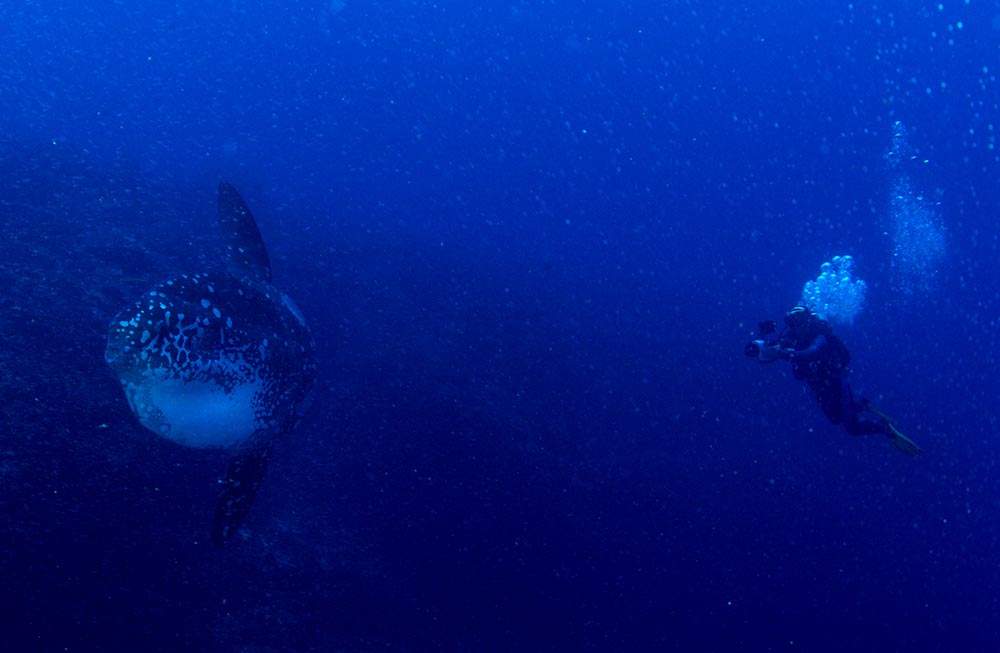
{"points": [[219, 360]]}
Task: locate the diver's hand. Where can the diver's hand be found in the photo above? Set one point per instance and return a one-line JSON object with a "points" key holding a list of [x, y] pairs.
{"points": [[771, 353], [777, 352]]}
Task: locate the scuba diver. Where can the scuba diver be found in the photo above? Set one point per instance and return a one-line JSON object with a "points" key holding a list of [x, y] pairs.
{"points": [[821, 359]]}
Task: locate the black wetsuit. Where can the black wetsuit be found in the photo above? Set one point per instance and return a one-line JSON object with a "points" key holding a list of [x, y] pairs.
{"points": [[821, 359]]}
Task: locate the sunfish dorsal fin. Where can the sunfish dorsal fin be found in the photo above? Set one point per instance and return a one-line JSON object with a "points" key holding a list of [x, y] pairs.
{"points": [[245, 252]]}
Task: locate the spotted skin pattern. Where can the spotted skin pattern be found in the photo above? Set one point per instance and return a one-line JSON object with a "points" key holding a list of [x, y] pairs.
{"points": [[219, 360], [211, 328]]}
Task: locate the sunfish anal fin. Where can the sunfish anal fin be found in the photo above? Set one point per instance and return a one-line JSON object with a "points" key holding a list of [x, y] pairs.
{"points": [[243, 476]]}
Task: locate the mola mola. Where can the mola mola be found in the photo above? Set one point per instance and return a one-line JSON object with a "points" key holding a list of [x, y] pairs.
{"points": [[219, 360]]}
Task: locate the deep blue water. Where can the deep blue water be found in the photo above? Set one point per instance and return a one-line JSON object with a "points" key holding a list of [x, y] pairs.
{"points": [[531, 240]]}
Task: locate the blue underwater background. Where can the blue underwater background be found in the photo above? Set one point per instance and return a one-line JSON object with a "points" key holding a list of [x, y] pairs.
{"points": [[531, 240]]}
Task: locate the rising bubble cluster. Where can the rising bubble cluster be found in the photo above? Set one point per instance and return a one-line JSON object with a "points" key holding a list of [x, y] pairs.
{"points": [[918, 236], [835, 295], [918, 240]]}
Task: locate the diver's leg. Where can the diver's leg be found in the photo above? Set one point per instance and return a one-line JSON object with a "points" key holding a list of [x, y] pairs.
{"points": [[830, 397], [857, 421], [865, 419]]}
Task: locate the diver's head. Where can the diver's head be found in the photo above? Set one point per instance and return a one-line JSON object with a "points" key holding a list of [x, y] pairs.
{"points": [[798, 317]]}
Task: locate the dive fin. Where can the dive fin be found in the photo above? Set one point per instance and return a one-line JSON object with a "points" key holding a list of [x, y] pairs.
{"points": [[243, 476], [901, 442], [866, 405]]}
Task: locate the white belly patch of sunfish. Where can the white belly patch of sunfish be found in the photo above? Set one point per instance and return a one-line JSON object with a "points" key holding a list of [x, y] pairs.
{"points": [[220, 360]]}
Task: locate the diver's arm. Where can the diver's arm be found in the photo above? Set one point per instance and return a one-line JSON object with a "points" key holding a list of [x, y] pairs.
{"points": [[813, 352]]}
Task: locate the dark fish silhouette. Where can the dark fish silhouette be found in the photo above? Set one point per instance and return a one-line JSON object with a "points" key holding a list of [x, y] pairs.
{"points": [[220, 360]]}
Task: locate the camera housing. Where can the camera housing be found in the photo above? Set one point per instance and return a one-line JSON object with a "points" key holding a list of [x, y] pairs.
{"points": [[765, 351]]}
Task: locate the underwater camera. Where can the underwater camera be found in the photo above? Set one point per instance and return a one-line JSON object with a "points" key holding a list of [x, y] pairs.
{"points": [[764, 347]]}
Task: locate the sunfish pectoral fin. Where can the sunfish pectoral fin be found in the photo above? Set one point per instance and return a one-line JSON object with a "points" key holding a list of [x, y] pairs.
{"points": [[243, 476]]}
